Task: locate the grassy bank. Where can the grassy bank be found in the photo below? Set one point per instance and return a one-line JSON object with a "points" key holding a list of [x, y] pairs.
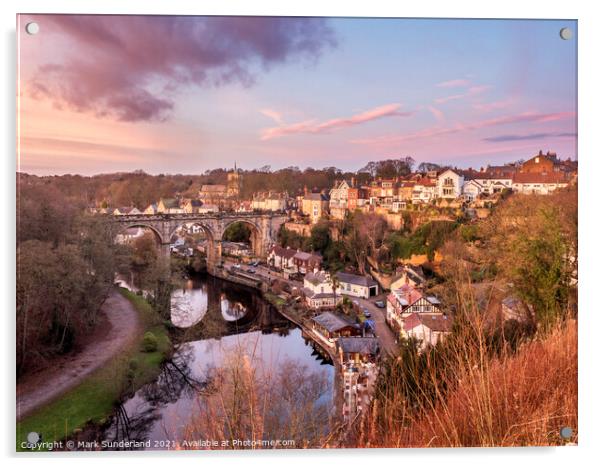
{"points": [[521, 398], [93, 400]]}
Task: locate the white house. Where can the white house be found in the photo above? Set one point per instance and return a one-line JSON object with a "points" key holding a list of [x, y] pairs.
{"points": [[424, 191], [356, 285], [318, 290], [493, 181], [539, 183], [282, 258], [449, 184], [471, 190], [427, 329], [409, 275], [339, 198]]}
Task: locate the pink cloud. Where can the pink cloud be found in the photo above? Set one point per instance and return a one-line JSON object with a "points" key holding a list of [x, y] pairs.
{"points": [[315, 127], [129, 68], [462, 127], [438, 114], [272, 114], [472, 91], [454, 83], [490, 106]]}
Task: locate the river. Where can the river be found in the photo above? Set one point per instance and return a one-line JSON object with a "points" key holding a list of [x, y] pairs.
{"points": [[217, 323]]}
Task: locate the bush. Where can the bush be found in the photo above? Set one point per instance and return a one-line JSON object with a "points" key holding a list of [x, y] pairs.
{"points": [[149, 342], [133, 364]]}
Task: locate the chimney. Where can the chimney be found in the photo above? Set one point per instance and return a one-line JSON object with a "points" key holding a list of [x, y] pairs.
{"points": [[353, 181]]}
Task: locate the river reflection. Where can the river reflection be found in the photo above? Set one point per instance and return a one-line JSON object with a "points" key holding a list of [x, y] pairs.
{"points": [[235, 321]]}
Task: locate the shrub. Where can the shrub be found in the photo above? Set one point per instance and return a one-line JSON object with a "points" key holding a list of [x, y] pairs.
{"points": [[149, 342], [133, 364]]}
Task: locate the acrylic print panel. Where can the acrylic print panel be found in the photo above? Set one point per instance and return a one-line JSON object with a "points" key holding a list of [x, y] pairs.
{"points": [[275, 233]]}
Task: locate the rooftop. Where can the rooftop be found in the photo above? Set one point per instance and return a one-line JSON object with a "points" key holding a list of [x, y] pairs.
{"points": [[356, 279], [316, 197], [305, 256], [315, 278], [436, 322], [332, 322], [284, 252], [552, 177], [170, 203], [362, 345]]}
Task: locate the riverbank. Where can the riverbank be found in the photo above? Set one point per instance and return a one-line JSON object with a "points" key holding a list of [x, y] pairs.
{"points": [[91, 400]]}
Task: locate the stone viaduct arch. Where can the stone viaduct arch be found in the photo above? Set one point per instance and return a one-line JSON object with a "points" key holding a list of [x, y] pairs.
{"points": [[264, 228]]}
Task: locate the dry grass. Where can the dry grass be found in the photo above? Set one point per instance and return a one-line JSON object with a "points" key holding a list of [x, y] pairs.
{"points": [[520, 398]]}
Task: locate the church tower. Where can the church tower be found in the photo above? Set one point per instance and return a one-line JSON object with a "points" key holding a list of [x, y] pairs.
{"points": [[234, 185]]}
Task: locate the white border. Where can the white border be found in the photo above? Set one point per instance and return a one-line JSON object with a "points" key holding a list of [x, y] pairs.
{"points": [[590, 170]]}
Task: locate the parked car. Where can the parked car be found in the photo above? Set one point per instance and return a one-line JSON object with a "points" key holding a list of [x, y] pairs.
{"points": [[367, 313], [380, 304]]}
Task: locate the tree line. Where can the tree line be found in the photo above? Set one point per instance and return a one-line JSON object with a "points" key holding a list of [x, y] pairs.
{"points": [[66, 263], [139, 189]]}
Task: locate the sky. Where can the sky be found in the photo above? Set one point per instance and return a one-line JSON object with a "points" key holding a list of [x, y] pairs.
{"points": [[167, 94]]}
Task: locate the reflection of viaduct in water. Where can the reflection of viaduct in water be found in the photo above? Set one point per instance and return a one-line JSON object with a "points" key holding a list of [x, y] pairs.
{"points": [[252, 313], [264, 228]]}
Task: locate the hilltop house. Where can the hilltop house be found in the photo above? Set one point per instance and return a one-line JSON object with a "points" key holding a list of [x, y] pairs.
{"points": [[270, 200], [541, 163], [212, 193], [356, 197], [539, 182], [315, 205], [449, 184], [424, 190], [339, 199], [472, 189]]}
